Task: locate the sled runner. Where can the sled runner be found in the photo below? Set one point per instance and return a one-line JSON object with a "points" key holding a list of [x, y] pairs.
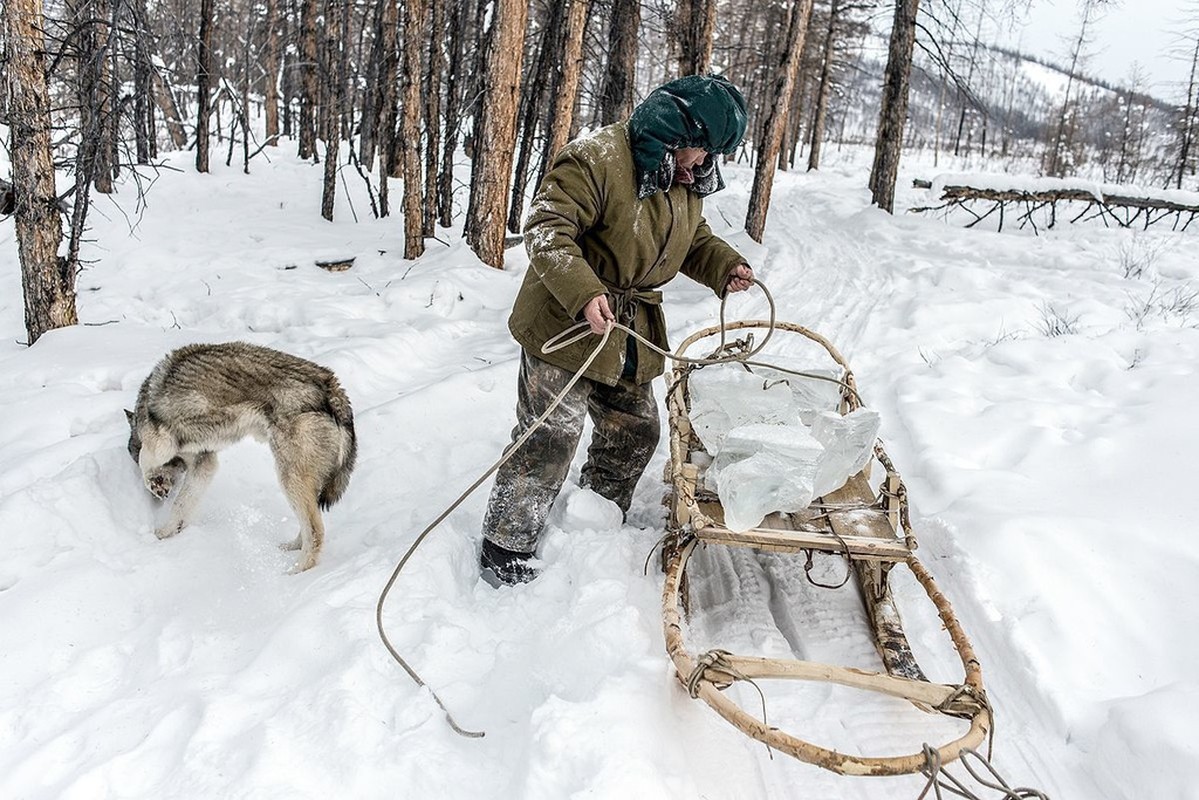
{"points": [[863, 521]]}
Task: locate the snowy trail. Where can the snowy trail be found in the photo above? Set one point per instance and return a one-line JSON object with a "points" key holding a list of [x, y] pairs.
{"points": [[195, 667]]}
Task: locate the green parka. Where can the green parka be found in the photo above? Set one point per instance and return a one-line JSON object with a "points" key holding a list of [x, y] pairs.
{"points": [[588, 234]]}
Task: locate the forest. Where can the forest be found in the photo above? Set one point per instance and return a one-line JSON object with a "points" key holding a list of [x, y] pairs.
{"points": [[467, 101]]}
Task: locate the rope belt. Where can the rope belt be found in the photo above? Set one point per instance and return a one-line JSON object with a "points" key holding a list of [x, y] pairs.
{"points": [[625, 302]]}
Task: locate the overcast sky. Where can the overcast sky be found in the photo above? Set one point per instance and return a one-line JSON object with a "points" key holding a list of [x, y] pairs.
{"points": [[1144, 31]]}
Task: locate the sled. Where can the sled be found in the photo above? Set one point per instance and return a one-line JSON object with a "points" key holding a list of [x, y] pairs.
{"points": [[868, 526]]}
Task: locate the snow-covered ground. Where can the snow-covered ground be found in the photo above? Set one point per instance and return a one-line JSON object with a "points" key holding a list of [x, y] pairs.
{"points": [[1049, 476]]}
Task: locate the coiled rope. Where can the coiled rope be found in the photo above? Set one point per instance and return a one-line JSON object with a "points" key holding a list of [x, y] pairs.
{"points": [[568, 337]]}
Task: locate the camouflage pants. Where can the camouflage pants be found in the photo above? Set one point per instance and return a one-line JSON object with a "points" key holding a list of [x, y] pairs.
{"points": [[626, 432]]}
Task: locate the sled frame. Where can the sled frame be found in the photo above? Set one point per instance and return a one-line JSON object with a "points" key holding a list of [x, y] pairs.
{"points": [[853, 521]]}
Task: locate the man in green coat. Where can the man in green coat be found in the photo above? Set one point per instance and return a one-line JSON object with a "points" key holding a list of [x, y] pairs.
{"points": [[618, 214]]}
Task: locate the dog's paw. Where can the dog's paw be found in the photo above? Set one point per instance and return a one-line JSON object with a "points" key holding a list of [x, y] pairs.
{"points": [[305, 563], [295, 544], [167, 531]]}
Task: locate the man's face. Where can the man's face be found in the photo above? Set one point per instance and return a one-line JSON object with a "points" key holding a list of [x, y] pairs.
{"points": [[686, 159]]}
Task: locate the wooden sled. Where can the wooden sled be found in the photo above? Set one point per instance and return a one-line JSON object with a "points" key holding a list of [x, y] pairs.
{"points": [[870, 528]]}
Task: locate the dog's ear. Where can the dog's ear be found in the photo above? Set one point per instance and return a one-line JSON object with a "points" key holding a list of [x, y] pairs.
{"points": [[128, 415]]}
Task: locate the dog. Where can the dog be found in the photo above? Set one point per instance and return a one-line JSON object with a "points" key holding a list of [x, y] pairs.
{"points": [[203, 397]]}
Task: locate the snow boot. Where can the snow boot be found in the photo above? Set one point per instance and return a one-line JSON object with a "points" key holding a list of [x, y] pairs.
{"points": [[501, 566]]}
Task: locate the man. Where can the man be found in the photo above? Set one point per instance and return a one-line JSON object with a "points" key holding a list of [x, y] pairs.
{"points": [[618, 214]]}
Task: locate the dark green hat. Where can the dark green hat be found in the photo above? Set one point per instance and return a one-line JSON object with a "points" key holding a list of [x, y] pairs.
{"points": [[703, 111]]}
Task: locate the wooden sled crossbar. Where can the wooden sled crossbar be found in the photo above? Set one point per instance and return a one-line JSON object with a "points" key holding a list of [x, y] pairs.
{"points": [[854, 522]]}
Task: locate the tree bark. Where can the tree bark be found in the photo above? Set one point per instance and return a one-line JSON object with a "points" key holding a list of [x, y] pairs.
{"points": [[308, 82], [894, 110], [491, 170], [695, 21], [531, 96], [432, 92], [824, 86], [620, 78], [778, 108], [334, 97], [453, 121], [270, 78], [203, 84], [565, 84], [47, 281], [165, 98], [414, 227]]}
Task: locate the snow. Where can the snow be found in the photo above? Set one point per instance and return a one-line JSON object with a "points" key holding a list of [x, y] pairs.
{"points": [[1050, 478]]}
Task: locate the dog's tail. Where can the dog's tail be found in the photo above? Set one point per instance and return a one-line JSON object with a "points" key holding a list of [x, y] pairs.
{"points": [[338, 407]]}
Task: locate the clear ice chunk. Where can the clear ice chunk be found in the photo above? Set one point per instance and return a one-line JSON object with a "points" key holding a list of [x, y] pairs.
{"points": [[775, 441], [848, 445], [810, 394], [765, 468], [724, 399]]}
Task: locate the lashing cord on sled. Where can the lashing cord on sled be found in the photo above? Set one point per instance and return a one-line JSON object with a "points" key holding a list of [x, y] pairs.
{"points": [[568, 337], [940, 779]]}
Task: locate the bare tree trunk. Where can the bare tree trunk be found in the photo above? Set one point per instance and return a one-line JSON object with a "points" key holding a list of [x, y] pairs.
{"points": [[47, 281], [270, 80], [203, 84], [894, 111], [388, 112], [491, 171], [432, 91], [105, 108], [620, 78], [143, 114], [445, 178], [1056, 164], [695, 21], [165, 98], [1190, 120], [536, 84], [308, 82], [778, 109], [566, 83], [334, 97], [824, 86], [414, 227]]}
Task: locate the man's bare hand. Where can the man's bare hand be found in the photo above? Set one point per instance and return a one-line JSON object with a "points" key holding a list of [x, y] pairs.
{"points": [[598, 315], [740, 279]]}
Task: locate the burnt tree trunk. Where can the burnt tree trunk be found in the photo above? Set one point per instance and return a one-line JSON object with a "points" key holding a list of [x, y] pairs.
{"points": [[778, 109], [491, 170], [894, 110], [203, 84], [620, 77], [47, 281], [432, 92]]}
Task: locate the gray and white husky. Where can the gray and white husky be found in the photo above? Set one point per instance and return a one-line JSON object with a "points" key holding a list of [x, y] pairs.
{"points": [[203, 397]]}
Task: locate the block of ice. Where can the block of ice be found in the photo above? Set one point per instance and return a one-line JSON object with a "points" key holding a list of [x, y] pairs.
{"points": [[848, 445], [724, 399], [765, 468], [810, 394]]}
